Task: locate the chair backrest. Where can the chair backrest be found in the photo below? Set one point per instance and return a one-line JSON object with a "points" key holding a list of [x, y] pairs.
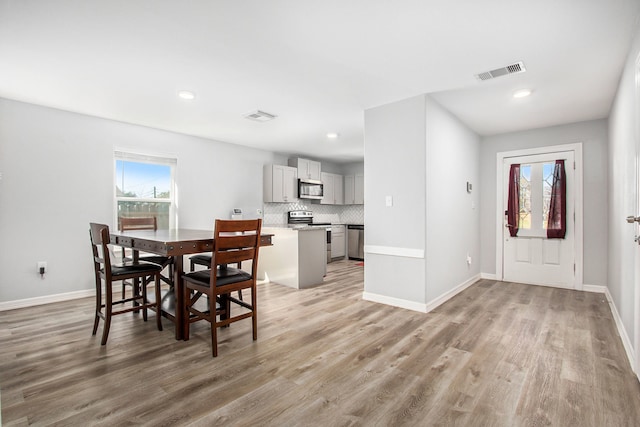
{"points": [[100, 245], [138, 223], [236, 241]]}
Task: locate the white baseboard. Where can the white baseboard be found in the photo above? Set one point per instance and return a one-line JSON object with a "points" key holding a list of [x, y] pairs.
{"points": [[595, 288], [417, 306], [29, 302], [453, 292], [396, 302], [626, 342], [488, 276]]}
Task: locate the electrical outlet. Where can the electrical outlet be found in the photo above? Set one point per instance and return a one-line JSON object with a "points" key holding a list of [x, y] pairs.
{"points": [[259, 212], [42, 267], [468, 259]]}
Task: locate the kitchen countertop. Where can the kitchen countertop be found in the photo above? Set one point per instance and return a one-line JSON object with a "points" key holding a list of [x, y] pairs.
{"points": [[296, 227]]}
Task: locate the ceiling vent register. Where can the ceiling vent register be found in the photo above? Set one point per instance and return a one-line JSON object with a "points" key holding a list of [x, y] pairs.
{"points": [[259, 116], [516, 68]]}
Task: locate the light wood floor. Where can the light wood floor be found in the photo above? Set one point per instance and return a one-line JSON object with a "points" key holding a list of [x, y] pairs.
{"points": [[498, 354]]}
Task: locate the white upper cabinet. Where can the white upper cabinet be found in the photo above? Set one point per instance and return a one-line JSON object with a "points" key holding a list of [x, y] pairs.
{"points": [[354, 189], [307, 169], [279, 183], [333, 193]]}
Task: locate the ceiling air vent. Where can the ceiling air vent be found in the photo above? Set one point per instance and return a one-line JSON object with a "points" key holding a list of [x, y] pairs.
{"points": [[518, 67], [259, 116]]}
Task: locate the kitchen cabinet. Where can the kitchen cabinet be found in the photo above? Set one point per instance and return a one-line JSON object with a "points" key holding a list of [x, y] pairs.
{"points": [[354, 189], [338, 241], [333, 189], [280, 184], [307, 169]]}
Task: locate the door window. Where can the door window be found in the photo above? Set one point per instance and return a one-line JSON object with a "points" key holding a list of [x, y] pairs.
{"points": [[536, 181]]}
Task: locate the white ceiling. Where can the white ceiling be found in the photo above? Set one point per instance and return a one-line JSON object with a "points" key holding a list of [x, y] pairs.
{"points": [[317, 65]]}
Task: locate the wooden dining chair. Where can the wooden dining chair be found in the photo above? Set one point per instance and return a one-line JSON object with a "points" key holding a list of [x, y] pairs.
{"points": [[108, 273], [234, 241], [145, 223], [205, 261]]}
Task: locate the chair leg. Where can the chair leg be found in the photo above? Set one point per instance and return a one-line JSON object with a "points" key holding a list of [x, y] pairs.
{"points": [[158, 303], [107, 315], [214, 325], [96, 321], [254, 312], [145, 301], [186, 298]]}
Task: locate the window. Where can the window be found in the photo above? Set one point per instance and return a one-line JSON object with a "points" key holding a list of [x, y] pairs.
{"points": [[144, 186], [536, 182]]}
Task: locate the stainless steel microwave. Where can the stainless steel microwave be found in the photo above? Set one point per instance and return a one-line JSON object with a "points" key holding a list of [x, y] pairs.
{"points": [[310, 189]]}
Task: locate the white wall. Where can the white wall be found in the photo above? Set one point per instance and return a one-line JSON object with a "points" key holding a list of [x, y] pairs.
{"points": [[593, 135], [353, 168], [453, 215], [394, 165], [622, 196], [57, 176], [422, 156]]}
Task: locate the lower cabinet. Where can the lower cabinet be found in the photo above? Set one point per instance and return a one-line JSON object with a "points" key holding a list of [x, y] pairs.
{"points": [[338, 241]]}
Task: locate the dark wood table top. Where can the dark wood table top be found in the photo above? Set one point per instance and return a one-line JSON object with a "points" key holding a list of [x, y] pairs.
{"points": [[172, 242]]}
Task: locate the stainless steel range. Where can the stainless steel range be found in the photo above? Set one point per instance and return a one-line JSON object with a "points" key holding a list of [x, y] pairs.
{"points": [[305, 219]]}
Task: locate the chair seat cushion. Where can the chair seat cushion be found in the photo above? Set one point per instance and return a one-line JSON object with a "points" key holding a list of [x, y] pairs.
{"points": [[225, 276], [130, 268], [201, 259]]}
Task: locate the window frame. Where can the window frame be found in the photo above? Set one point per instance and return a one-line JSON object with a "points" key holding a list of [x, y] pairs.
{"points": [[158, 159]]}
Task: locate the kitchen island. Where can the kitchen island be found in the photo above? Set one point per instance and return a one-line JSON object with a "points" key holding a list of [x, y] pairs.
{"points": [[297, 259]]}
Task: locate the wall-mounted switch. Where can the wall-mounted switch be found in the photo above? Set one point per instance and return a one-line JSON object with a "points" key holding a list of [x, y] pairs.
{"points": [[388, 201], [42, 268]]}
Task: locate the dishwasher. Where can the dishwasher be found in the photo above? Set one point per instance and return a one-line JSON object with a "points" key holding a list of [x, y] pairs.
{"points": [[355, 241]]}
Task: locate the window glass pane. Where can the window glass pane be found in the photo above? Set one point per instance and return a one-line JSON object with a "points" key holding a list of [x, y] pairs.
{"points": [[143, 180], [547, 185], [143, 188], [134, 208], [525, 197]]}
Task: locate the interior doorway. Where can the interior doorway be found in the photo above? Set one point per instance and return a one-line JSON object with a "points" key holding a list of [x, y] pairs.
{"points": [[530, 256]]}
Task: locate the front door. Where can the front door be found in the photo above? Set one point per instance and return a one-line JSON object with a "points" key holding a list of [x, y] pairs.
{"points": [[531, 257]]}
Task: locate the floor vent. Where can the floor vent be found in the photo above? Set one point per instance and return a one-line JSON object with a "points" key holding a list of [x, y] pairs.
{"points": [[518, 67], [259, 116]]}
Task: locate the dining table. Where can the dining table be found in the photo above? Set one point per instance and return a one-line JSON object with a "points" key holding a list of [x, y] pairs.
{"points": [[175, 243]]}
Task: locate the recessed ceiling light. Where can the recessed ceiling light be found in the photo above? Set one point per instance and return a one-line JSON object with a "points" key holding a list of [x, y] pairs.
{"points": [[522, 93], [185, 94], [333, 135]]}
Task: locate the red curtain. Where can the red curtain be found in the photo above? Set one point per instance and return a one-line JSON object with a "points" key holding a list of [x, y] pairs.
{"points": [[557, 222], [513, 202]]}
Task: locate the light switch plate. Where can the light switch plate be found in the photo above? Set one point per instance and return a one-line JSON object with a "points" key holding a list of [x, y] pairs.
{"points": [[388, 201]]}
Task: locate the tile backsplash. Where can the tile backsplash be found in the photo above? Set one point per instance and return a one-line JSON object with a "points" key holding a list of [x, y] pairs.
{"points": [[276, 213]]}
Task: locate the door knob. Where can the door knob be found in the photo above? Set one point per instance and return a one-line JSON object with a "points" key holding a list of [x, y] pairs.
{"points": [[631, 219]]}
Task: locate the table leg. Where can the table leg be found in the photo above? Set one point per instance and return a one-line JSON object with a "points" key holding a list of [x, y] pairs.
{"points": [[178, 286], [135, 255]]}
